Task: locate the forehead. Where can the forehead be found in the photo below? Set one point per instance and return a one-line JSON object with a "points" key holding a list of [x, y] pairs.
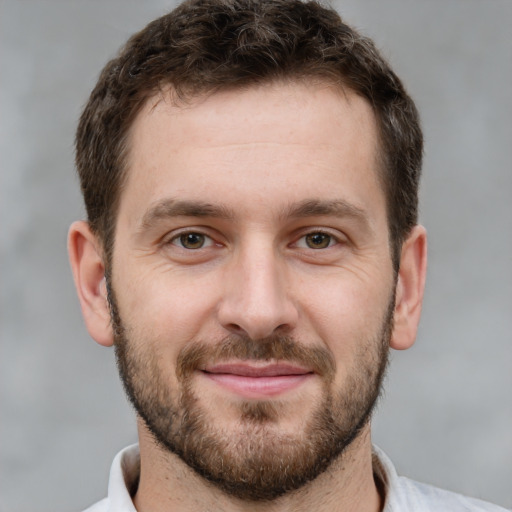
{"points": [[281, 138], [302, 108]]}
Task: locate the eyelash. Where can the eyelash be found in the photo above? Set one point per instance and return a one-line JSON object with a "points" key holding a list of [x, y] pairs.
{"points": [[177, 240], [180, 236], [332, 239]]}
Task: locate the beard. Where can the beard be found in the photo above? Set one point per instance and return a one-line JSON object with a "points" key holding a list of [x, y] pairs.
{"points": [[253, 460]]}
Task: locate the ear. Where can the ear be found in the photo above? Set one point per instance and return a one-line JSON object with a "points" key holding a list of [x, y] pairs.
{"points": [[410, 288], [86, 260]]}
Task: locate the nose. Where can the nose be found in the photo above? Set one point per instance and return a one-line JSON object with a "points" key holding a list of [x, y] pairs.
{"points": [[255, 299]]}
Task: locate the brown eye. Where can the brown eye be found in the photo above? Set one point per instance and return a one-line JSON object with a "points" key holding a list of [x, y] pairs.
{"points": [[192, 240], [318, 240]]}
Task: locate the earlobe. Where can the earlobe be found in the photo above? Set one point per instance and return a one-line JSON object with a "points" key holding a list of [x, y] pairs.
{"points": [[88, 268], [410, 288]]}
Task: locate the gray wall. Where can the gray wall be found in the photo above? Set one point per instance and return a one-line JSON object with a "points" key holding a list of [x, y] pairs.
{"points": [[447, 415]]}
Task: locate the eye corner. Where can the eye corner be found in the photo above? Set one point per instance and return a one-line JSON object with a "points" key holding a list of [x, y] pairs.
{"points": [[191, 239], [318, 239]]}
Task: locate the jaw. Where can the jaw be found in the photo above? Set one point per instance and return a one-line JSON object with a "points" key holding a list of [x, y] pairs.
{"points": [[347, 483]]}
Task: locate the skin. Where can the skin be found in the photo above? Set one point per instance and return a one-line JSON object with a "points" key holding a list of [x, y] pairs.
{"points": [[257, 155]]}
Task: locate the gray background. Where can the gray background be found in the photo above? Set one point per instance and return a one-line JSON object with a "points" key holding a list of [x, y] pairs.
{"points": [[447, 415]]}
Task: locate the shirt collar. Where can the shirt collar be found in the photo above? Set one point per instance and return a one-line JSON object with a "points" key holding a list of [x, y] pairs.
{"points": [[124, 479]]}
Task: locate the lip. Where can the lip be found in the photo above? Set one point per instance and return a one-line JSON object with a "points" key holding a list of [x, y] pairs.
{"points": [[257, 381]]}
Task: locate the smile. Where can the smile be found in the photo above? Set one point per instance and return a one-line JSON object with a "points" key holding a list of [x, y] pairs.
{"points": [[258, 382]]}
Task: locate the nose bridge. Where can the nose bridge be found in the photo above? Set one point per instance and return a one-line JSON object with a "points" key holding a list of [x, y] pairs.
{"points": [[256, 299]]}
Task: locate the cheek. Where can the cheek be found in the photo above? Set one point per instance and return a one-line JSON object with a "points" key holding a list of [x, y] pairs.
{"points": [[346, 315], [166, 306]]}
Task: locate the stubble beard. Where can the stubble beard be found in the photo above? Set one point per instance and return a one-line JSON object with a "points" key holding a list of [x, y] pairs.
{"points": [[255, 461]]}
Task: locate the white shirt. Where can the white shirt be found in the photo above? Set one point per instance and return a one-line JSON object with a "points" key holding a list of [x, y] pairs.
{"points": [[402, 494]]}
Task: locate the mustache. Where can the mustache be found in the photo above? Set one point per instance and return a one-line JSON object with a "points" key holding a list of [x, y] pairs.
{"points": [[276, 347]]}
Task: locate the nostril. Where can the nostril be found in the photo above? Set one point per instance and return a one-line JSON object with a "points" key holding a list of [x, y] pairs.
{"points": [[258, 332], [234, 328]]}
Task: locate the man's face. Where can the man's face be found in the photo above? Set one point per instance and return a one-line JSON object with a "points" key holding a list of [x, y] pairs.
{"points": [[252, 283]]}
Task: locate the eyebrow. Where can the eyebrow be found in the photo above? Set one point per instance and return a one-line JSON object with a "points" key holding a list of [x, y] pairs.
{"points": [[170, 208], [335, 208]]}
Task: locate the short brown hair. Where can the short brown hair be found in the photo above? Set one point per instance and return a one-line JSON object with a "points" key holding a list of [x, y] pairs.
{"points": [[206, 45]]}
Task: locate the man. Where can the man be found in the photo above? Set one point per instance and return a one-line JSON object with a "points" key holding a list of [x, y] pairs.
{"points": [[250, 172]]}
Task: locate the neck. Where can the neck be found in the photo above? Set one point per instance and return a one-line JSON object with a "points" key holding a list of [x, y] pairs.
{"points": [[167, 483]]}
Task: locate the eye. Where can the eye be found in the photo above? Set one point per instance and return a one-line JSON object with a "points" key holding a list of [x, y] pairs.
{"points": [[317, 240], [192, 240]]}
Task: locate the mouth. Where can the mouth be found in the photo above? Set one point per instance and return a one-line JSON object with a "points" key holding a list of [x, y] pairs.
{"points": [[258, 380]]}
